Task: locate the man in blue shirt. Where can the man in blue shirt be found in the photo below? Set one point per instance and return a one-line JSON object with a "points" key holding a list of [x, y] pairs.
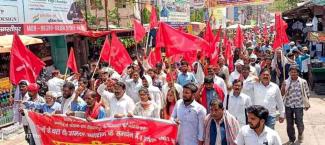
{"points": [[49, 107], [185, 77], [93, 110]]}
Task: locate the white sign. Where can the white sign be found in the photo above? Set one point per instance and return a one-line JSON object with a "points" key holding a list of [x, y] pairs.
{"points": [[52, 11], [11, 11], [176, 12]]}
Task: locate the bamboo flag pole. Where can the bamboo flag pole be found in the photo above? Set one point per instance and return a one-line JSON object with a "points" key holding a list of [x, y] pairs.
{"points": [[66, 73]]}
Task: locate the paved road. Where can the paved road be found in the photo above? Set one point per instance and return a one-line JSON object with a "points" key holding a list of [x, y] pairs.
{"points": [[314, 126]]}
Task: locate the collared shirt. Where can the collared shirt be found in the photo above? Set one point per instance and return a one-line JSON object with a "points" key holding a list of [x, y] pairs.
{"points": [[66, 104], [55, 85], [43, 106], [191, 118], [248, 81], [268, 96], [294, 98], [185, 78], [248, 136], [156, 96], [152, 111], [124, 105], [236, 106], [132, 89]]}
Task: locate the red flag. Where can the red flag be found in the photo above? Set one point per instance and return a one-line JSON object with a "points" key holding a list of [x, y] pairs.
{"points": [[208, 34], [239, 40], [229, 56], [139, 31], [104, 54], [177, 42], [154, 57], [72, 62], [217, 38], [24, 65], [281, 35], [153, 18], [265, 33], [118, 56]]}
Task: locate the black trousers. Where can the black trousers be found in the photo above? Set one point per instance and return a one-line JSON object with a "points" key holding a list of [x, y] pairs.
{"points": [[294, 116]]}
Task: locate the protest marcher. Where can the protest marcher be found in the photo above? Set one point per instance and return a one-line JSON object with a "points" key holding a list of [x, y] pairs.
{"points": [[237, 73], [154, 92], [55, 84], [92, 109], [171, 83], [49, 107], [268, 95], [296, 94], [218, 80], [220, 127], [68, 97], [185, 77], [189, 115], [209, 91], [257, 133], [133, 85], [171, 98], [146, 107]]}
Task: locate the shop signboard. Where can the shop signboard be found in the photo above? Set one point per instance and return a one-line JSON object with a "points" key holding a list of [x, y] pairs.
{"points": [[218, 17], [175, 12], [31, 17], [222, 3]]}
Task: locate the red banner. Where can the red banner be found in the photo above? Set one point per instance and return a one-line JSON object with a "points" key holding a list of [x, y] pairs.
{"points": [[62, 130]]}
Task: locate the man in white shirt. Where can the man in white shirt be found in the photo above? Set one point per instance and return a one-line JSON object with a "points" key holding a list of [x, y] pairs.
{"points": [[121, 105], [67, 99], [171, 83], [257, 133], [237, 102], [237, 73], [55, 84], [248, 79], [133, 85], [268, 95]]}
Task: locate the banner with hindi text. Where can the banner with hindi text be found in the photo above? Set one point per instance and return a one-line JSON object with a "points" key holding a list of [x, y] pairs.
{"points": [[62, 130]]}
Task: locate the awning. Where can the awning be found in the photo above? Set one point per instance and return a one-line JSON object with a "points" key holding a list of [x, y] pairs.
{"points": [[6, 42], [96, 34]]}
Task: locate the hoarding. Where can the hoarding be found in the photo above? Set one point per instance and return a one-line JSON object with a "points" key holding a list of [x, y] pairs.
{"points": [[175, 12]]}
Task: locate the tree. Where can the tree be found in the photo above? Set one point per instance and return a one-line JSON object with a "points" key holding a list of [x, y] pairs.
{"points": [[283, 5]]}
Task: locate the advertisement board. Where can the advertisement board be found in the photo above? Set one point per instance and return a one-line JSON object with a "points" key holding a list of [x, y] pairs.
{"points": [[175, 12], [39, 17]]}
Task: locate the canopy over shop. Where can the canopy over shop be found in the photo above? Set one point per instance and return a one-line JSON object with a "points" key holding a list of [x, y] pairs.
{"points": [[306, 26]]}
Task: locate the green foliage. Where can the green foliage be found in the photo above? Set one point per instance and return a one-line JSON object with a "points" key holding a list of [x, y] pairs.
{"points": [[282, 5], [114, 16], [197, 15], [127, 41], [145, 16]]}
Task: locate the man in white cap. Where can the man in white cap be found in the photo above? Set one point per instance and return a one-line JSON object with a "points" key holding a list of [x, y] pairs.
{"points": [[237, 73], [257, 66]]}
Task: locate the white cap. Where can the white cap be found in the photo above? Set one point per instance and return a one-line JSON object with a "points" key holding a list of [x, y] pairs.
{"points": [[239, 62]]}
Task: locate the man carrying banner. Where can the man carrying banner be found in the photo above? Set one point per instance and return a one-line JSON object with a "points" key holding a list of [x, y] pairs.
{"points": [[93, 110]]}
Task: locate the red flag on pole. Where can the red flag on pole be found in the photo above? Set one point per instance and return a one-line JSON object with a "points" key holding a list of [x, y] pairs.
{"points": [[153, 18], [118, 56], [154, 57], [229, 56], [281, 35], [104, 54], [177, 42], [239, 40], [24, 65], [72, 62], [139, 31]]}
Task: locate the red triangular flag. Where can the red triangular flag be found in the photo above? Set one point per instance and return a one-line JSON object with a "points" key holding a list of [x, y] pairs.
{"points": [[119, 57], [154, 57], [208, 34], [72, 62], [153, 18], [24, 65], [177, 42], [139, 31], [229, 56], [104, 53], [239, 40], [281, 35]]}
